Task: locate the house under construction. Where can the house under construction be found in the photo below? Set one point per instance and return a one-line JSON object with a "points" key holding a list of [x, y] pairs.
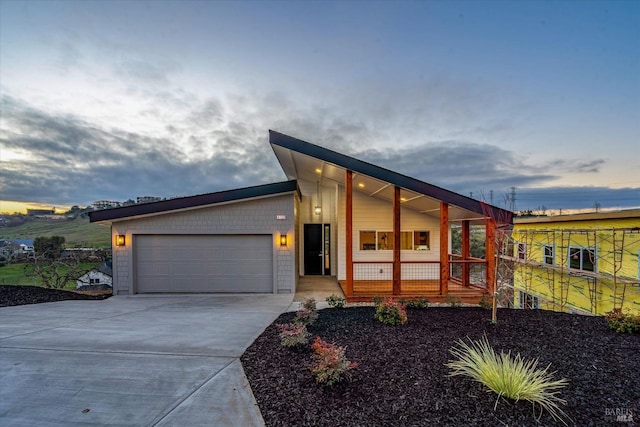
{"points": [[583, 263]]}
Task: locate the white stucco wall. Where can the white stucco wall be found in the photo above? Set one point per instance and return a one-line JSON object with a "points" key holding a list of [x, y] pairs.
{"points": [[256, 216]]}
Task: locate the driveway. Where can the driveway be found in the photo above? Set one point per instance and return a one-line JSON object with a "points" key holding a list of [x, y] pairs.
{"points": [[132, 360]]}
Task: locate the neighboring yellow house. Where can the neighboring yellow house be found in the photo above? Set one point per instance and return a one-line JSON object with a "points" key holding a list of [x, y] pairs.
{"points": [[583, 263]]}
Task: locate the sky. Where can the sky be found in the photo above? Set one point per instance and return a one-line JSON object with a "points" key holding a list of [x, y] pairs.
{"points": [[111, 100]]}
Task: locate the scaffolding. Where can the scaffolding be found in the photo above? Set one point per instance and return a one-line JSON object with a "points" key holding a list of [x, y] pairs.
{"points": [[578, 270]]}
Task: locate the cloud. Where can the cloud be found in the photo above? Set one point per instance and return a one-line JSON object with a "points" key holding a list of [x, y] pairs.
{"points": [[221, 143]]}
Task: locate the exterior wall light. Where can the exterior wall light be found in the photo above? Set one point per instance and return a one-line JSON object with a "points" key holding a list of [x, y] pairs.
{"points": [[283, 240], [317, 210], [120, 240]]}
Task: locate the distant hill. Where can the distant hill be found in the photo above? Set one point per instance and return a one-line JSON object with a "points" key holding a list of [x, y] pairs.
{"points": [[78, 232]]}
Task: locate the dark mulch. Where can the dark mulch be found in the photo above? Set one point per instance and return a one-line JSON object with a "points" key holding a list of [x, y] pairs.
{"points": [[20, 295], [402, 378]]}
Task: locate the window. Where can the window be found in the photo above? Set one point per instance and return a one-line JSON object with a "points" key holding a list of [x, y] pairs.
{"points": [[383, 240], [549, 256], [522, 251], [421, 240], [367, 240], [528, 301], [582, 258]]}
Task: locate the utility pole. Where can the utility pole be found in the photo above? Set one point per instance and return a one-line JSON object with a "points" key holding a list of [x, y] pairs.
{"points": [[491, 197], [513, 199]]}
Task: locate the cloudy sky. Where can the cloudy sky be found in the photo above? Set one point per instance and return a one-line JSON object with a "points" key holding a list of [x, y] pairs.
{"points": [[111, 100]]}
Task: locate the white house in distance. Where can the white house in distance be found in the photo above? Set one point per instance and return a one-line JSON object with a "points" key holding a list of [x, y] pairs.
{"points": [[99, 276], [376, 231]]}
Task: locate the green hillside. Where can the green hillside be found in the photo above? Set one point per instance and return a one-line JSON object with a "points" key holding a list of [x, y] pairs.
{"points": [[77, 232]]}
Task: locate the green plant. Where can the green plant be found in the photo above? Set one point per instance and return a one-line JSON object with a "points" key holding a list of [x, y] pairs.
{"points": [[307, 313], [453, 301], [376, 299], [513, 378], [336, 301], [420, 302], [485, 302], [390, 312], [330, 362], [293, 334], [623, 322]]}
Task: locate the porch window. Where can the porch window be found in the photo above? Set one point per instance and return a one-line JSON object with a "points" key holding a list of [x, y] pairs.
{"points": [[549, 254], [528, 301], [383, 240], [582, 258]]}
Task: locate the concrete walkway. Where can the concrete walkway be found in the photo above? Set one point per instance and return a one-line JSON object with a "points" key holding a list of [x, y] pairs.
{"points": [[317, 287], [137, 361]]}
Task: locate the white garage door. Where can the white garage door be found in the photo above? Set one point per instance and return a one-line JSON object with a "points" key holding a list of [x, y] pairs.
{"points": [[196, 263]]}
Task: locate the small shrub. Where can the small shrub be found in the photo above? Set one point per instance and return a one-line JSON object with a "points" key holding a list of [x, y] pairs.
{"points": [[453, 301], [390, 312], [306, 317], [623, 322], [309, 304], [293, 334], [485, 302], [336, 302], [377, 299], [330, 362], [415, 302], [513, 378], [307, 313]]}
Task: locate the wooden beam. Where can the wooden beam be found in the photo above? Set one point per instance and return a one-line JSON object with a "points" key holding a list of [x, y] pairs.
{"points": [[349, 232], [444, 248], [396, 242], [490, 253], [466, 253]]}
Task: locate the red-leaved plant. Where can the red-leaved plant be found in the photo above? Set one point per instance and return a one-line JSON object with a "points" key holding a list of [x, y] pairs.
{"points": [[390, 312], [330, 362], [293, 334]]}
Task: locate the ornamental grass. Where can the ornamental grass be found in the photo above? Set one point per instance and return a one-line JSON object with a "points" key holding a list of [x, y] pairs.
{"points": [[511, 377]]}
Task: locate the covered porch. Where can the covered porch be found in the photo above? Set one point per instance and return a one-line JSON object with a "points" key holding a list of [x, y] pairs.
{"points": [[393, 232]]}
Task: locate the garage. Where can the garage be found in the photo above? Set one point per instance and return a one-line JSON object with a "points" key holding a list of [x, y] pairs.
{"points": [[204, 263]]}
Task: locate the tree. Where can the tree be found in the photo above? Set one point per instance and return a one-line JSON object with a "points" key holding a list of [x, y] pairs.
{"points": [[48, 264]]}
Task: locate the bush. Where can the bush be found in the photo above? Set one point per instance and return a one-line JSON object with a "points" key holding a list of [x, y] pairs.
{"points": [[390, 312], [623, 322], [336, 302], [330, 362], [513, 378], [293, 334], [415, 302], [453, 301], [485, 302], [307, 313]]}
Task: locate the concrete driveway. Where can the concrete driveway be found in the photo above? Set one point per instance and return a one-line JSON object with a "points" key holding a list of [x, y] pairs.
{"points": [[132, 360]]}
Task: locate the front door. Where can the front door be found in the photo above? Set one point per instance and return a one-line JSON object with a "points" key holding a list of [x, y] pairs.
{"points": [[316, 249]]}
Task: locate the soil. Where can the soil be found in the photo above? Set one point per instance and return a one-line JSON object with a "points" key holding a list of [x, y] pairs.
{"points": [[402, 379], [19, 295]]}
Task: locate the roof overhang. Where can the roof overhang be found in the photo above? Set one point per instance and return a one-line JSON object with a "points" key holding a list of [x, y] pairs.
{"points": [[194, 202], [307, 162]]}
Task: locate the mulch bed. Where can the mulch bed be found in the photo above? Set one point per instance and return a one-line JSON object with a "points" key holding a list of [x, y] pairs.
{"points": [[402, 379], [19, 295]]}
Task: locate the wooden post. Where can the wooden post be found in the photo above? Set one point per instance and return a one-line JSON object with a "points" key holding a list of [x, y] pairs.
{"points": [[466, 253], [349, 233], [396, 242], [490, 254], [444, 248]]}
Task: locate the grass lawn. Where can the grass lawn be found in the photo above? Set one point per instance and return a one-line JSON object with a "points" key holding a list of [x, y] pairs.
{"points": [[78, 232], [14, 274]]}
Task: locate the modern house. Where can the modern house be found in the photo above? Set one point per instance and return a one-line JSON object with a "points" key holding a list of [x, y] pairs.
{"points": [[585, 263], [101, 276], [376, 231]]}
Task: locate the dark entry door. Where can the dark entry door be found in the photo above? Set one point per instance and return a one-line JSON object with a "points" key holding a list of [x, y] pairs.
{"points": [[313, 249]]}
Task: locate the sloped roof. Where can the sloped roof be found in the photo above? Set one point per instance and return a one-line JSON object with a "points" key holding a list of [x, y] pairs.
{"points": [[182, 203], [302, 160]]}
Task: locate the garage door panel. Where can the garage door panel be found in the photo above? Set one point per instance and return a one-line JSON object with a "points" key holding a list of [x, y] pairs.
{"points": [[210, 263]]}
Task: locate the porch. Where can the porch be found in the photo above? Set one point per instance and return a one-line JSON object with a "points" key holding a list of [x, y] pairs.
{"points": [[466, 280]]}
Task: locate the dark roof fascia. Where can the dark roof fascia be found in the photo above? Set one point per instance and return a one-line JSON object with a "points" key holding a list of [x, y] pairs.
{"points": [[194, 201], [386, 175]]}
